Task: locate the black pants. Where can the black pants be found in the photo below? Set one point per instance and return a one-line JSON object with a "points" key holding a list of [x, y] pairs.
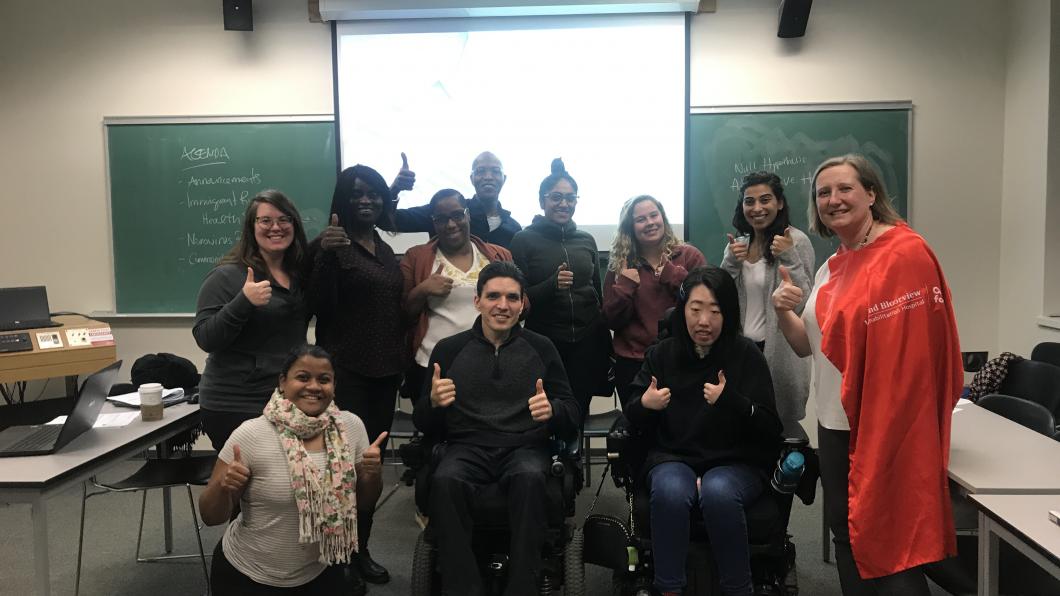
{"points": [[835, 467], [464, 469], [373, 400], [626, 370], [587, 362], [220, 425], [226, 580]]}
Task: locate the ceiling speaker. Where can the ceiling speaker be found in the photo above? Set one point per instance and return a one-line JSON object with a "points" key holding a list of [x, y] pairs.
{"points": [[239, 15], [794, 15]]}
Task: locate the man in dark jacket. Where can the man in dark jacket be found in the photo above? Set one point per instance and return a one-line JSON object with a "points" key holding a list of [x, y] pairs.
{"points": [[495, 395], [488, 220]]}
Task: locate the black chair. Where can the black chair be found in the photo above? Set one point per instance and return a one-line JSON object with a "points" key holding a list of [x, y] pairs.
{"points": [[1021, 411], [1034, 381], [597, 426], [772, 551], [1047, 351], [491, 538]]}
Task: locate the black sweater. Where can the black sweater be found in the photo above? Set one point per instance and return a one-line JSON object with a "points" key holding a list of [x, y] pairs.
{"points": [[493, 389], [741, 426], [561, 315]]}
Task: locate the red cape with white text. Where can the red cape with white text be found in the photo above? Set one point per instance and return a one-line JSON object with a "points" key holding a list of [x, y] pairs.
{"points": [[888, 326]]}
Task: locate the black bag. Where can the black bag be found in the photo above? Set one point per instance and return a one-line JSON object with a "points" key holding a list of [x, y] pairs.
{"points": [[168, 369], [606, 539]]}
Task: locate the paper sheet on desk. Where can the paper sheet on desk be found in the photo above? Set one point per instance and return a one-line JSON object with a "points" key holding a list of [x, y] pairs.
{"points": [[961, 403], [106, 420], [132, 400]]}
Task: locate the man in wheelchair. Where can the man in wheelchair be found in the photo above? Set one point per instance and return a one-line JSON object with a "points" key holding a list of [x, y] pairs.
{"points": [[496, 395], [704, 404]]}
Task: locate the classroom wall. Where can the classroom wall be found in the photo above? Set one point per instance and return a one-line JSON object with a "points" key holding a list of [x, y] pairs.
{"points": [[67, 64], [1026, 188]]}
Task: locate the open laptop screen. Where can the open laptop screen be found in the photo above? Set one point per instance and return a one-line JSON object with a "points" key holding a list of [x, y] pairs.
{"points": [[23, 304]]}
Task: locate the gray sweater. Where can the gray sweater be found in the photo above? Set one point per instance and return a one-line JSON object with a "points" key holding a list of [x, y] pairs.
{"points": [[791, 374], [246, 344]]}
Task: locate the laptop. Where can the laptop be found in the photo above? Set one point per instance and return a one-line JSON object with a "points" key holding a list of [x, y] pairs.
{"points": [[42, 439], [24, 308]]}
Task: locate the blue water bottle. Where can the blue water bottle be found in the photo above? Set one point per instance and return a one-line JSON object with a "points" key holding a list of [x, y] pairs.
{"points": [[789, 469]]}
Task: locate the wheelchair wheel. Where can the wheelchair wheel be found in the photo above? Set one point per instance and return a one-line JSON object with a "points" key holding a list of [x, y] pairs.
{"points": [[574, 565], [423, 563]]}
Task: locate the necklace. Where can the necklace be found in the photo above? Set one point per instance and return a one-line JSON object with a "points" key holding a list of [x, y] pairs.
{"points": [[865, 240]]}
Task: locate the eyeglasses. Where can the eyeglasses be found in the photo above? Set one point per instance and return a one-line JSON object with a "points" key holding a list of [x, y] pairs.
{"points": [[558, 197], [357, 193], [265, 223], [497, 172], [444, 218]]}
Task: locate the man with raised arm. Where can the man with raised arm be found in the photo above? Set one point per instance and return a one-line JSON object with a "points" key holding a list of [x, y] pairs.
{"points": [[489, 221]]}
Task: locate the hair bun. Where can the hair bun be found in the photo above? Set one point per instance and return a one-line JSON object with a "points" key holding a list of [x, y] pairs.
{"points": [[557, 166]]}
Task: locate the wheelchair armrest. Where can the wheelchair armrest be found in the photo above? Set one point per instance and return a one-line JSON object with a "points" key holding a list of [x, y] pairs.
{"points": [[567, 448]]}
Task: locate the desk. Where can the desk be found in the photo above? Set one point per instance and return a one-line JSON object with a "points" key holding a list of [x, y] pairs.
{"points": [[990, 454], [67, 361], [1023, 522], [33, 479]]}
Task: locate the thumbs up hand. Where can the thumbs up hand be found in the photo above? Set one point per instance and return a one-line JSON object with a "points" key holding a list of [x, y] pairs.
{"points": [[540, 407], [782, 243], [372, 458], [405, 178], [258, 292], [334, 236], [443, 391], [564, 277], [655, 398], [712, 392], [738, 247], [787, 295], [437, 284], [236, 475]]}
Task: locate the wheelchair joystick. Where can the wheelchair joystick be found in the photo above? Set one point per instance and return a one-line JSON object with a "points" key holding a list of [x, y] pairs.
{"points": [[558, 467]]}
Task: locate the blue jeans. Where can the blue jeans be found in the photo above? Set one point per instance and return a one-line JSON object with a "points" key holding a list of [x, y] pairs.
{"points": [[724, 493]]}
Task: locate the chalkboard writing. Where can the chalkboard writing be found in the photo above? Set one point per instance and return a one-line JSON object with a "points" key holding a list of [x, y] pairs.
{"points": [[179, 191], [726, 146]]}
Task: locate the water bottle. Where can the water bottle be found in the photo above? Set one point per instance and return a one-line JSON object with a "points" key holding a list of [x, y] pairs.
{"points": [[789, 470]]}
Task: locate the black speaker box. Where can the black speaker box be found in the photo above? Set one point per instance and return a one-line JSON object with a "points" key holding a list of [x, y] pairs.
{"points": [[794, 14], [239, 15]]}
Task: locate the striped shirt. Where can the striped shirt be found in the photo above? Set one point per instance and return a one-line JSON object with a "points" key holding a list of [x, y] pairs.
{"points": [[262, 542]]}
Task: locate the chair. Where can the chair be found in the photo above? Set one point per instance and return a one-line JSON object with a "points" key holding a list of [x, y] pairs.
{"points": [[1047, 351], [597, 426], [154, 473], [1021, 411], [1035, 381]]}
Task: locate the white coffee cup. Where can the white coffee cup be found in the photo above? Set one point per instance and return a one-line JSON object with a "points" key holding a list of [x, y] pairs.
{"points": [[151, 401]]}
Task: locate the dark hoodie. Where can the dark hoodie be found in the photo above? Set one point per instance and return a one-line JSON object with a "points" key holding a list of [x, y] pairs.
{"points": [[741, 426], [561, 315]]}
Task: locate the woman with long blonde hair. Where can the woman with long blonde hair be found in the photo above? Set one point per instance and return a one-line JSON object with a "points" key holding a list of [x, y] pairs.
{"points": [[648, 264]]}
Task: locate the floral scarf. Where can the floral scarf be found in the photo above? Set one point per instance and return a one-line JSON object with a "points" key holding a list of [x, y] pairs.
{"points": [[327, 507]]}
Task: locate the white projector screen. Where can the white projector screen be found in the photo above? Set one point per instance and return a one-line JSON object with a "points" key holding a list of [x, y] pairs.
{"points": [[605, 93]]}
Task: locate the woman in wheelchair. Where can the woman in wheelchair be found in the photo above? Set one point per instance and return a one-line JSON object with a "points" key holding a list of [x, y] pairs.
{"points": [[704, 402]]}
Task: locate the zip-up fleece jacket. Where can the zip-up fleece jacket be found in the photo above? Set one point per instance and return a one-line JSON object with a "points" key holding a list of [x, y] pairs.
{"points": [[561, 315]]}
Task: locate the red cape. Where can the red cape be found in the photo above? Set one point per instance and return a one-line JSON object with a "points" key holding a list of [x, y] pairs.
{"points": [[888, 326]]}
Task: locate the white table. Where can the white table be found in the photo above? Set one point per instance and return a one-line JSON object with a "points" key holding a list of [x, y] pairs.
{"points": [[990, 454], [33, 480], [1023, 522]]}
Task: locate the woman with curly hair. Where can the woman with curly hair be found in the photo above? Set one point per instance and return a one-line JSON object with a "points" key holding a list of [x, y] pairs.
{"points": [[648, 264]]}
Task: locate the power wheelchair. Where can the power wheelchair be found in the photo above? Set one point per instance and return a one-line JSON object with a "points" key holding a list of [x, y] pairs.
{"points": [[562, 556], [625, 545]]}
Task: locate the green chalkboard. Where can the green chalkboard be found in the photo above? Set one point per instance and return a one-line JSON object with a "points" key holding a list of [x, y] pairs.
{"points": [[725, 146], [178, 191]]}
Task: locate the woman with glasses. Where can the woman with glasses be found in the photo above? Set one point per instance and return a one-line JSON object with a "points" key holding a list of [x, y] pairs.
{"points": [[355, 288], [440, 281], [250, 312], [562, 269], [648, 264]]}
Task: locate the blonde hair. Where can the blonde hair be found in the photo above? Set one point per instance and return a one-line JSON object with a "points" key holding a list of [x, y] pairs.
{"points": [[882, 209], [624, 248]]}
